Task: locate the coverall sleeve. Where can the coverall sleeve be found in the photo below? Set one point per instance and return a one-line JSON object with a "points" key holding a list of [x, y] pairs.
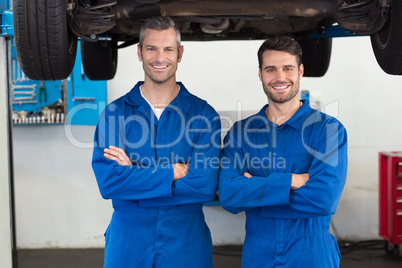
{"points": [[327, 176], [125, 182], [201, 182], [238, 193]]}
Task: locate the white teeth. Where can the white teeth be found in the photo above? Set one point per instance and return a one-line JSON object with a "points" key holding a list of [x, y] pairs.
{"points": [[160, 67], [282, 87]]}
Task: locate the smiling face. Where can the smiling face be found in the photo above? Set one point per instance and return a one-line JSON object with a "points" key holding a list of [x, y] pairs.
{"points": [[160, 55], [280, 76]]}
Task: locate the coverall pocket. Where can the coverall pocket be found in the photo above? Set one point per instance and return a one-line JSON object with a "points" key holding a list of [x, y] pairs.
{"points": [[107, 233], [336, 246]]}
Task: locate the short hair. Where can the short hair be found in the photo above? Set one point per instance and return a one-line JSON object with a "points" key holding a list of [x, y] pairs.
{"points": [[159, 24], [281, 43]]}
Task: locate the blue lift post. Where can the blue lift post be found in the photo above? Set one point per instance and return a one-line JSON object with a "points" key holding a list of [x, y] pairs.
{"points": [[8, 251]]}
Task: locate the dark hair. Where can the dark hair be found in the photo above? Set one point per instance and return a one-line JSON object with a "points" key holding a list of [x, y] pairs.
{"points": [[160, 23], [281, 43]]}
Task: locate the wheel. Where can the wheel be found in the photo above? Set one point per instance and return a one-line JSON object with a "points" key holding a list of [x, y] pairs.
{"points": [[387, 43], [398, 252], [316, 55], [99, 59], [389, 247], [46, 48]]}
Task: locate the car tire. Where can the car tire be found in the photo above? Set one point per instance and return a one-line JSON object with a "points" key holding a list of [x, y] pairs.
{"points": [[389, 247], [316, 55], [387, 42], [99, 59], [46, 48], [397, 252]]}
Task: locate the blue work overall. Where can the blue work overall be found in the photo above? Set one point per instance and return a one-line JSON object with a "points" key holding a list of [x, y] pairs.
{"points": [[284, 227], [158, 222]]}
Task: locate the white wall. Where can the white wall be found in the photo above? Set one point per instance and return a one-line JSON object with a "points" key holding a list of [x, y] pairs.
{"points": [[58, 204], [57, 199]]}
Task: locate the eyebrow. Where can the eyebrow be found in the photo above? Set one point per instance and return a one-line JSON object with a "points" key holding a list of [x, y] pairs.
{"points": [[275, 67], [153, 46]]}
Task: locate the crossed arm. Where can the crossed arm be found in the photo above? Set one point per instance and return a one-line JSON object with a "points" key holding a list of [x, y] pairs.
{"points": [[281, 194], [298, 180], [118, 155], [181, 170]]}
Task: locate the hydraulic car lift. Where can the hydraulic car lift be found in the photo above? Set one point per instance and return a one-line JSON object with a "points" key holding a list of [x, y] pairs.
{"points": [[8, 256]]}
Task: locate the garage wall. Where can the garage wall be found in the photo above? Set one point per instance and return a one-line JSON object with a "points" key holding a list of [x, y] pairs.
{"points": [[57, 200]]}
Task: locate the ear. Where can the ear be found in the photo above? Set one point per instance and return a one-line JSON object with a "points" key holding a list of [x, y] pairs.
{"points": [[180, 55], [301, 71], [139, 54], [259, 73]]}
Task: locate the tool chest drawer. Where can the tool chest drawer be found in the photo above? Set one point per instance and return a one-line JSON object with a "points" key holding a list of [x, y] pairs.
{"points": [[390, 196]]}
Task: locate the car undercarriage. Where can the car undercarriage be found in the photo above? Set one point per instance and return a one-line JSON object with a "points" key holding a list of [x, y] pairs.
{"points": [[104, 26]]}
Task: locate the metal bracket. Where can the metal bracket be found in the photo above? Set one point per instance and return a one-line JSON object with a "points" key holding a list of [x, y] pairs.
{"points": [[6, 20], [334, 31]]}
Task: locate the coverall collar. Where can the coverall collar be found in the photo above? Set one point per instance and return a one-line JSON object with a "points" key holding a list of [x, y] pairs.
{"points": [[182, 100], [296, 121]]}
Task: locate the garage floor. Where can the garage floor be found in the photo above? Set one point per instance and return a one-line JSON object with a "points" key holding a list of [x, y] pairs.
{"points": [[367, 254]]}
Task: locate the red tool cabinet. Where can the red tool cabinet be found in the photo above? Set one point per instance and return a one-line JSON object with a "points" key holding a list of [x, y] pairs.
{"points": [[390, 200]]}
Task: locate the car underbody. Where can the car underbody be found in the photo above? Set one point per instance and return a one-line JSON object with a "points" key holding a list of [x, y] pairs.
{"points": [[107, 25], [224, 19]]}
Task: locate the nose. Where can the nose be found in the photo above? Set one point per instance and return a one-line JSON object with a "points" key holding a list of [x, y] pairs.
{"points": [[280, 75], [160, 55]]}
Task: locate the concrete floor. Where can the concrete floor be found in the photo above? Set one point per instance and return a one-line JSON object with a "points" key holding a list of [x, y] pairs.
{"points": [[367, 254]]}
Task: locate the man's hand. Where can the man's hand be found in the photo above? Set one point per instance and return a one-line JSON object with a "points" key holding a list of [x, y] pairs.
{"points": [[179, 171], [248, 175], [298, 180], [118, 155]]}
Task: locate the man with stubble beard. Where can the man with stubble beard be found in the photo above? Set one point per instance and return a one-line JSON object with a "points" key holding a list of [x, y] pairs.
{"points": [[155, 156], [286, 168]]}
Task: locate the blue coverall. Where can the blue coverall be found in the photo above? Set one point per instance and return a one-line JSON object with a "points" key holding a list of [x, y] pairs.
{"points": [[284, 227], [157, 222]]}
